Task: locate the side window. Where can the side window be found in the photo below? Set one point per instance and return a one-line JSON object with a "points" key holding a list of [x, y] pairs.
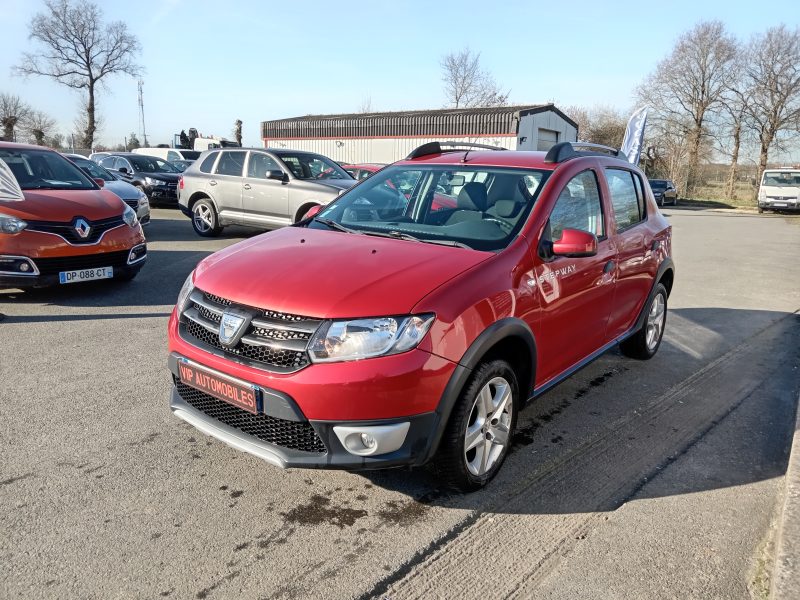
{"points": [[208, 162], [578, 207], [259, 165], [639, 194], [231, 163], [628, 210], [121, 163], [172, 155], [108, 162]]}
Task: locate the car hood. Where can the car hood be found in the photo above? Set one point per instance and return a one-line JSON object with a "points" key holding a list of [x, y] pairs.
{"points": [[328, 274], [123, 189], [64, 205], [162, 176], [336, 184], [785, 191]]}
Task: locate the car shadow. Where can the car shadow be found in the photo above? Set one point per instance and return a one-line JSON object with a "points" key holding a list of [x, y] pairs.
{"points": [[593, 442]]}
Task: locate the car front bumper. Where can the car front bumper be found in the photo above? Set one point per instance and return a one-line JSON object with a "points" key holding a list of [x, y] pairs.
{"points": [[783, 204], [303, 443]]}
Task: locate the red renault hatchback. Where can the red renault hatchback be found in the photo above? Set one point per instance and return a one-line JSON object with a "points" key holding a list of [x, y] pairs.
{"points": [[388, 330], [58, 226]]}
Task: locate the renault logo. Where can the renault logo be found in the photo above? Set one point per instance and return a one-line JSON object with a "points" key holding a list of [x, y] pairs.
{"points": [[232, 326], [82, 228]]}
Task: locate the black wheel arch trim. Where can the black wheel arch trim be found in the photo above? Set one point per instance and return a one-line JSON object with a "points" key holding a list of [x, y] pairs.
{"points": [[489, 338]]}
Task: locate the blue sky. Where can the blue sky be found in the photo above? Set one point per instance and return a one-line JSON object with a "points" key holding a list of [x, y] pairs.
{"points": [[208, 63]]}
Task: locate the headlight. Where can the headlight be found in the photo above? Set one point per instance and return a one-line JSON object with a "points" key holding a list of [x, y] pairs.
{"points": [[366, 338], [186, 290], [10, 224], [151, 181], [129, 216], [142, 197]]}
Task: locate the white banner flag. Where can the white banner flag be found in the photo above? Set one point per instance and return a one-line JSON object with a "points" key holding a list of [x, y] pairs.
{"points": [[634, 136], [9, 187]]}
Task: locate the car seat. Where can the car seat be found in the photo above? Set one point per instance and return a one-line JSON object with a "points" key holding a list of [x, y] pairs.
{"points": [[470, 204]]}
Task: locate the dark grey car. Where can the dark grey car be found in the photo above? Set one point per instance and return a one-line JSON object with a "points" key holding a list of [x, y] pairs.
{"points": [[264, 188], [664, 191]]}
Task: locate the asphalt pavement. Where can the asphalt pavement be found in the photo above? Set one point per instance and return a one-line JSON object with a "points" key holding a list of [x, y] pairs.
{"points": [[630, 480]]}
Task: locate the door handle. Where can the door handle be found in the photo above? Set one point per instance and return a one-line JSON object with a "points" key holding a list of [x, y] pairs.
{"points": [[247, 186], [655, 245], [609, 267], [212, 182]]}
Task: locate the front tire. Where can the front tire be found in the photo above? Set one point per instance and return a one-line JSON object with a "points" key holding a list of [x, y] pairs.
{"points": [[205, 220], [479, 432], [644, 344]]}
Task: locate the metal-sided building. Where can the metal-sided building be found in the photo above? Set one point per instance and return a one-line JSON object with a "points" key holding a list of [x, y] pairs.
{"points": [[387, 137]]}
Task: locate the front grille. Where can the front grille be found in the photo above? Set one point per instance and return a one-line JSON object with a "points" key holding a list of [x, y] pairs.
{"points": [[52, 266], [293, 435], [273, 341], [134, 204], [68, 232]]}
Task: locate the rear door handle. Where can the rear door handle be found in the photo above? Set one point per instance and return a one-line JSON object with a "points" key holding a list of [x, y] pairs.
{"points": [[247, 186], [212, 182]]}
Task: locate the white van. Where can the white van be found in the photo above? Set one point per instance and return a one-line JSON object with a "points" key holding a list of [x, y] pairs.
{"points": [[779, 190], [204, 144], [169, 154]]}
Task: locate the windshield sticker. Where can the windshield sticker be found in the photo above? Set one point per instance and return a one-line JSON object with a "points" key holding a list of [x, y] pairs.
{"points": [[9, 186]]}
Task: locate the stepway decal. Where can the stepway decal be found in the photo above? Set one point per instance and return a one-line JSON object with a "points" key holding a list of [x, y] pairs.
{"points": [[557, 273]]}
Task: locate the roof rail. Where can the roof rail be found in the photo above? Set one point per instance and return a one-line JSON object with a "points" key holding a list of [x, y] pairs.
{"points": [[566, 150], [438, 148]]}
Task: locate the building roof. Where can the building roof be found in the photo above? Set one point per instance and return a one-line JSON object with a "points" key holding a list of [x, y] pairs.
{"points": [[485, 121]]}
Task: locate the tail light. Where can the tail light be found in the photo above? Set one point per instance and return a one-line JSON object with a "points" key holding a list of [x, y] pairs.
{"points": [[180, 182]]}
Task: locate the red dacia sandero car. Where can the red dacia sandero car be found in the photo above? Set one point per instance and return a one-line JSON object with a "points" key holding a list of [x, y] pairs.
{"points": [[388, 330], [58, 226]]}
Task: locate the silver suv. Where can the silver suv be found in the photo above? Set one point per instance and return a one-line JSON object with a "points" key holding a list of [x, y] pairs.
{"points": [[263, 188]]}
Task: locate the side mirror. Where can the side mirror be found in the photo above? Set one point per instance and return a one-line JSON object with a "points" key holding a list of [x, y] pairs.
{"points": [[279, 175], [99, 182], [575, 243], [313, 211], [123, 170]]}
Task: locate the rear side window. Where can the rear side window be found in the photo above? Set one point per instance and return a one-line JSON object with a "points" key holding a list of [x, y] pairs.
{"points": [[578, 207], [208, 163], [626, 198], [231, 163]]}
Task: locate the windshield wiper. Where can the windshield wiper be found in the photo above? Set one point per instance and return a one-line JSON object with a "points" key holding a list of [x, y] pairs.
{"points": [[334, 225], [399, 235]]}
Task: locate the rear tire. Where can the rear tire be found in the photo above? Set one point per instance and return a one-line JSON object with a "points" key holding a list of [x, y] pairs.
{"points": [[479, 433], [644, 344], [205, 220]]}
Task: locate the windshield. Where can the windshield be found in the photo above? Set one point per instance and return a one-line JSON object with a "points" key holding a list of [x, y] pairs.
{"points": [[93, 170], [181, 165], [658, 184], [151, 164], [313, 166], [782, 178], [483, 208], [44, 170]]}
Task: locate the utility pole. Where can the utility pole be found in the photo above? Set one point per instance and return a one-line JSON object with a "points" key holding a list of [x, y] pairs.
{"points": [[141, 115]]}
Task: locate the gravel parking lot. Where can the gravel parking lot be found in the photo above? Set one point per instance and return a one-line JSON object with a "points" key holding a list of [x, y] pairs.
{"points": [[656, 479]]}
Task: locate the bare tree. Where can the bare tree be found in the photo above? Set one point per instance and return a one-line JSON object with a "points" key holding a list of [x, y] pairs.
{"points": [[12, 112], [466, 85], [691, 82], [38, 126], [80, 51], [366, 105], [599, 124], [237, 131], [772, 84], [55, 141]]}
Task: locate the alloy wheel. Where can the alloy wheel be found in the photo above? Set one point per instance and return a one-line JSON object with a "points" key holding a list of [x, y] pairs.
{"points": [[487, 434], [655, 321], [203, 218]]}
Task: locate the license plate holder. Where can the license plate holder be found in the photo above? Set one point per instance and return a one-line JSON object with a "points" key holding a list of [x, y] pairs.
{"points": [[79, 275], [222, 387]]}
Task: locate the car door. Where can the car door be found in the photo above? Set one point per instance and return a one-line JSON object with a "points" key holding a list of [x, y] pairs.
{"points": [[575, 292], [264, 200], [635, 252], [226, 184]]}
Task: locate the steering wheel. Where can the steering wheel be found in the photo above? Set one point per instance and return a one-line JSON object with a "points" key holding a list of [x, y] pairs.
{"points": [[505, 225]]}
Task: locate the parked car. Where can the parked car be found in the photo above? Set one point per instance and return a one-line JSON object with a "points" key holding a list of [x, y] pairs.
{"points": [[129, 194], [57, 226], [382, 333], [363, 170], [155, 177], [98, 156], [182, 165], [169, 154], [258, 187], [779, 190], [664, 191]]}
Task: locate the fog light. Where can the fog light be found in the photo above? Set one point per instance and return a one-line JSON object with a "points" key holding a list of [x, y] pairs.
{"points": [[24, 267], [371, 440], [368, 441]]}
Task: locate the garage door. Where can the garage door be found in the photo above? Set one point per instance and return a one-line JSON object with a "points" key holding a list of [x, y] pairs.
{"points": [[546, 140]]}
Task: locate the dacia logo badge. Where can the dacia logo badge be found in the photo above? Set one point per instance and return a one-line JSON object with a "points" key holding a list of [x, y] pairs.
{"points": [[82, 228], [232, 326]]}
